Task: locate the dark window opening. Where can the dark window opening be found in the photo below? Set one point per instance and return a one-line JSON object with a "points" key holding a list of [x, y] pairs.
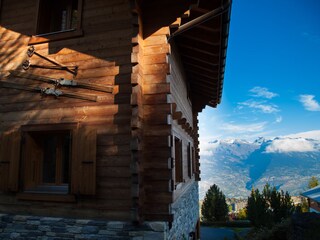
{"points": [[57, 16], [193, 154], [47, 159], [178, 160], [189, 154]]}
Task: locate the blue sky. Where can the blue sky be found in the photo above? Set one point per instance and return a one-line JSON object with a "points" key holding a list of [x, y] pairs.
{"points": [[272, 80]]}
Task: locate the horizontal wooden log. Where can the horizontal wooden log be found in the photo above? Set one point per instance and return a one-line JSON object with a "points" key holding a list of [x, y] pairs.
{"points": [[113, 150], [62, 113], [160, 68], [157, 174], [123, 172], [157, 130], [155, 99], [156, 88], [155, 40], [157, 49]]}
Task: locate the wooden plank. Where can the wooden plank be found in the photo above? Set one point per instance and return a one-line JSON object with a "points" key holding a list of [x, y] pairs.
{"points": [[155, 99], [157, 130], [155, 78], [114, 161], [156, 88], [156, 49], [155, 40], [9, 161], [119, 150], [84, 161], [158, 174], [115, 172], [46, 197], [160, 68], [155, 58]]}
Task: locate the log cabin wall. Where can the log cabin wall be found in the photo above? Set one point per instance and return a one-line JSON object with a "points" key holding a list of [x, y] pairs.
{"points": [[102, 52], [166, 112], [155, 164]]}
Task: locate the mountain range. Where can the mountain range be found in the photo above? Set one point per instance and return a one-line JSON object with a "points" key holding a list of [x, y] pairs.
{"points": [[237, 166]]}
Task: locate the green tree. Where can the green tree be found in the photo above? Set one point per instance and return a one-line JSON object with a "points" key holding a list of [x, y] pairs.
{"points": [[313, 182], [257, 209], [214, 207], [271, 206], [242, 214]]}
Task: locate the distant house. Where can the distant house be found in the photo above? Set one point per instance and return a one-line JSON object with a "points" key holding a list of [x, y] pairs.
{"points": [[313, 196]]}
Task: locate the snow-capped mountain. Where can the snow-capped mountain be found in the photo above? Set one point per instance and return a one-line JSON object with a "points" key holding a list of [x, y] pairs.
{"points": [[238, 165]]}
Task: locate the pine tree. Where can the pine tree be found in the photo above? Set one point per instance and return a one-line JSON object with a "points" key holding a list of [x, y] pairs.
{"points": [[214, 207], [257, 209], [271, 206]]}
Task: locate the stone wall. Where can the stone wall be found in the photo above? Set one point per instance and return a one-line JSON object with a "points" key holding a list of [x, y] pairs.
{"points": [[22, 227], [185, 210], [186, 214]]}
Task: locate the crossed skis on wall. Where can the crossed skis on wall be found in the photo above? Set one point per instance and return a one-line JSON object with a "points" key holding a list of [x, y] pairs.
{"points": [[57, 83]]}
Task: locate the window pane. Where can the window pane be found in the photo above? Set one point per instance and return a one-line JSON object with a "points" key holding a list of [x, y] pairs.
{"points": [[65, 159], [58, 15], [49, 159]]}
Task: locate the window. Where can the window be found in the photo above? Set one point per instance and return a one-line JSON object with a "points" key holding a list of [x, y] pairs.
{"points": [[193, 160], [189, 154], [47, 161], [178, 160], [57, 15], [57, 19]]}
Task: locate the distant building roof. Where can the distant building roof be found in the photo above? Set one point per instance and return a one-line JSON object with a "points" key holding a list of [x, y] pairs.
{"points": [[313, 193]]}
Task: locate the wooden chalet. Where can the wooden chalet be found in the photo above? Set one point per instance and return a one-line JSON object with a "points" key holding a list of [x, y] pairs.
{"points": [[99, 102]]}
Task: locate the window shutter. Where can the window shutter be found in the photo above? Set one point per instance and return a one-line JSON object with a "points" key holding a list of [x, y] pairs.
{"points": [[84, 144], [9, 161]]}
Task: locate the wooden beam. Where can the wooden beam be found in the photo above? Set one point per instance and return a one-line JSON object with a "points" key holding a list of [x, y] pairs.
{"points": [[211, 52], [200, 68], [198, 73], [204, 38], [200, 57]]}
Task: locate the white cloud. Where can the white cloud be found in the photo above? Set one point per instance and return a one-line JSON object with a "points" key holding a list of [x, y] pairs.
{"points": [[309, 103], [242, 128], [290, 145], [260, 105], [315, 134], [262, 92], [278, 119]]}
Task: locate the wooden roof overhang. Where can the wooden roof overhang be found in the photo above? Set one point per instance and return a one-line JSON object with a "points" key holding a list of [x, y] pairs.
{"points": [[201, 39]]}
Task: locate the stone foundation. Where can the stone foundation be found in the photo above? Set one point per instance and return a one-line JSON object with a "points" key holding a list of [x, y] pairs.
{"points": [[47, 228], [186, 214], [185, 210]]}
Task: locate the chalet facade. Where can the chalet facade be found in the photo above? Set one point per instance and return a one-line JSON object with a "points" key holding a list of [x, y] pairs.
{"points": [[98, 109]]}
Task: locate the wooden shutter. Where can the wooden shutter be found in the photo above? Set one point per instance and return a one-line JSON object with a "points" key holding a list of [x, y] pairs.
{"points": [[9, 161], [83, 164], [32, 155]]}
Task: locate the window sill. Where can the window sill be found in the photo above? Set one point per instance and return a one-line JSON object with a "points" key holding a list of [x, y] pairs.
{"points": [[46, 197], [50, 37]]}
